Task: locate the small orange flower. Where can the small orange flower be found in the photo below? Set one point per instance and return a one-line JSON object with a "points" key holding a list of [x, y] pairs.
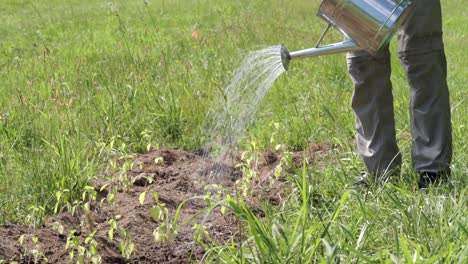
{"points": [[195, 34]]}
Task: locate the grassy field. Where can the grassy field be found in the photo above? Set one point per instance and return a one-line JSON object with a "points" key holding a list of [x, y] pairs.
{"points": [[85, 82]]}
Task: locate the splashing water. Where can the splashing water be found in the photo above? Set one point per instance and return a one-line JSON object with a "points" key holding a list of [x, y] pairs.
{"points": [[241, 98]]}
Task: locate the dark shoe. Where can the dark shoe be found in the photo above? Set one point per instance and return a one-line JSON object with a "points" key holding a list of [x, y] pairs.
{"points": [[367, 180], [432, 178], [362, 183]]}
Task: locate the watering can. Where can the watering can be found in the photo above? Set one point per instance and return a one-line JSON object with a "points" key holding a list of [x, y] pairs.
{"points": [[366, 24]]}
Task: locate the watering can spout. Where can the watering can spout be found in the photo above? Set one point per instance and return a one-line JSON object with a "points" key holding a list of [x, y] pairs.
{"points": [[345, 46], [285, 57]]}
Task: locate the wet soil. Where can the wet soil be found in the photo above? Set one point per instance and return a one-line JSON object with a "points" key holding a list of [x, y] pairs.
{"points": [[175, 175]]}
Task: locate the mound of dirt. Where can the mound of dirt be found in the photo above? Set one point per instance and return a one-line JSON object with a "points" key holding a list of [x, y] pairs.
{"points": [[175, 175]]}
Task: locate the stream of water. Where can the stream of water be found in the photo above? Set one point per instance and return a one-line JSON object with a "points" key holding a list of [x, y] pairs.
{"points": [[236, 108]]}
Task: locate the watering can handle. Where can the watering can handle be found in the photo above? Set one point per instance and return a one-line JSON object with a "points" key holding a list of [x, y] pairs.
{"points": [[323, 35], [345, 46], [329, 25]]}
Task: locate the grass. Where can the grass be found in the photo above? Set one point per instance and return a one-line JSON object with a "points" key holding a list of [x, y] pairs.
{"points": [[83, 82], [325, 223]]}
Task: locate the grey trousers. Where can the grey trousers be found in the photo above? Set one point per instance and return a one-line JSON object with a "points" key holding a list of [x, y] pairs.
{"points": [[421, 53]]}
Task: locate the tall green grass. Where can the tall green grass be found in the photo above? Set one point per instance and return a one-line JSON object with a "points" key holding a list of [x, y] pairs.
{"points": [[320, 222], [83, 82]]}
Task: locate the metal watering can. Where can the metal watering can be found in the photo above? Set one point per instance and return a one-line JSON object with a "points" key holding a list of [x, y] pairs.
{"points": [[366, 24]]}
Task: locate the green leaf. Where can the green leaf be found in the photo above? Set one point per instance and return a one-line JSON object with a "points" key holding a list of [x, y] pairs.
{"points": [[156, 196], [405, 250], [111, 234], [21, 239], [156, 213], [159, 160], [142, 197], [103, 187], [223, 210], [60, 229]]}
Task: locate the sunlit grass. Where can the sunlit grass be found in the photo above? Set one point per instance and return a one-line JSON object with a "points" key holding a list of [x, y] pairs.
{"points": [[83, 82]]}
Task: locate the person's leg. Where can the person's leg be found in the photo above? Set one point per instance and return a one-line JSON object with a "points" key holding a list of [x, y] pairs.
{"points": [[422, 55], [372, 103]]}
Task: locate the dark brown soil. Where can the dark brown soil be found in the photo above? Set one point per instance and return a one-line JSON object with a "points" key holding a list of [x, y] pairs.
{"points": [[178, 176]]}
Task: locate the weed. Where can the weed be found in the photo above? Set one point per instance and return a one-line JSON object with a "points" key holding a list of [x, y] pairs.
{"points": [[82, 253], [248, 166], [33, 250]]}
